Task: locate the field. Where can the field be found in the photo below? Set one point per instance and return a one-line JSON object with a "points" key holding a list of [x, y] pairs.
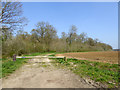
{"points": [[104, 73], [99, 66], [104, 56]]}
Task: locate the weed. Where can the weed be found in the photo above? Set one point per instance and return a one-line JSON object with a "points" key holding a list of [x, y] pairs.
{"points": [[10, 66], [98, 71], [52, 55]]}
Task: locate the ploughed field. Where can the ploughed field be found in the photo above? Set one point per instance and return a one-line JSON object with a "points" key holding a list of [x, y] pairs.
{"points": [[103, 56]]}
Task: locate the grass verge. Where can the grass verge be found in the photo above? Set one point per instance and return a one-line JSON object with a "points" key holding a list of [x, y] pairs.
{"points": [[38, 53], [104, 73], [10, 66], [43, 53], [52, 55], [34, 54]]}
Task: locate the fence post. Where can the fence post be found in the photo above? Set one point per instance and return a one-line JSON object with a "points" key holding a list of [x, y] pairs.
{"points": [[14, 57], [65, 59]]}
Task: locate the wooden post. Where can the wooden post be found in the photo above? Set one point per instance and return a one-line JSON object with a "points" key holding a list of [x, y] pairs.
{"points": [[14, 57], [65, 59]]}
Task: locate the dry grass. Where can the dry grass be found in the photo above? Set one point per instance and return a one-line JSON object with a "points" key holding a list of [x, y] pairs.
{"points": [[104, 56]]}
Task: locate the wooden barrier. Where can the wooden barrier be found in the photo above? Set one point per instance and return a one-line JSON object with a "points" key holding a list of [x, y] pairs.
{"points": [[39, 57]]}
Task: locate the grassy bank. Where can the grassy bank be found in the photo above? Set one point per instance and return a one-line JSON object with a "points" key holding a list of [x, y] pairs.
{"points": [[38, 53], [43, 53], [34, 54], [9, 66], [100, 72]]}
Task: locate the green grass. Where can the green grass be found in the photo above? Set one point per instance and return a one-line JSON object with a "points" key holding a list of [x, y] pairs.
{"points": [[43, 53], [52, 55], [100, 72], [44, 65], [10, 66], [38, 53], [33, 54]]}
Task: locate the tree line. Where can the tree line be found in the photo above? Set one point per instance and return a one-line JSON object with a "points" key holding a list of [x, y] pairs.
{"points": [[43, 38]]}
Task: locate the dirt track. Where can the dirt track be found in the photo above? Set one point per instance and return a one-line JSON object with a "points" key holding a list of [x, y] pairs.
{"points": [[40, 73]]}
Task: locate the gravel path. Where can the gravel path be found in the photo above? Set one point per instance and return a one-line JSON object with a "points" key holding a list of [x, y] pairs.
{"points": [[40, 73]]}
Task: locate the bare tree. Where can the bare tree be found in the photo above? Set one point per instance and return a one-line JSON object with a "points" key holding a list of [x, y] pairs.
{"points": [[72, 34], [64, 36], [83, 37], [44, 33], [11, 16], [90, 42]]}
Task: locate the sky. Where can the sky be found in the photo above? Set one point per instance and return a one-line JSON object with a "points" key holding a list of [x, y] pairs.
{"points": [[97, 19]]}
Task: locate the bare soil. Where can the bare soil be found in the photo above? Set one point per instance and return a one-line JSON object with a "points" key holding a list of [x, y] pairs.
{"points": [[40, 73], [104, 56]]}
